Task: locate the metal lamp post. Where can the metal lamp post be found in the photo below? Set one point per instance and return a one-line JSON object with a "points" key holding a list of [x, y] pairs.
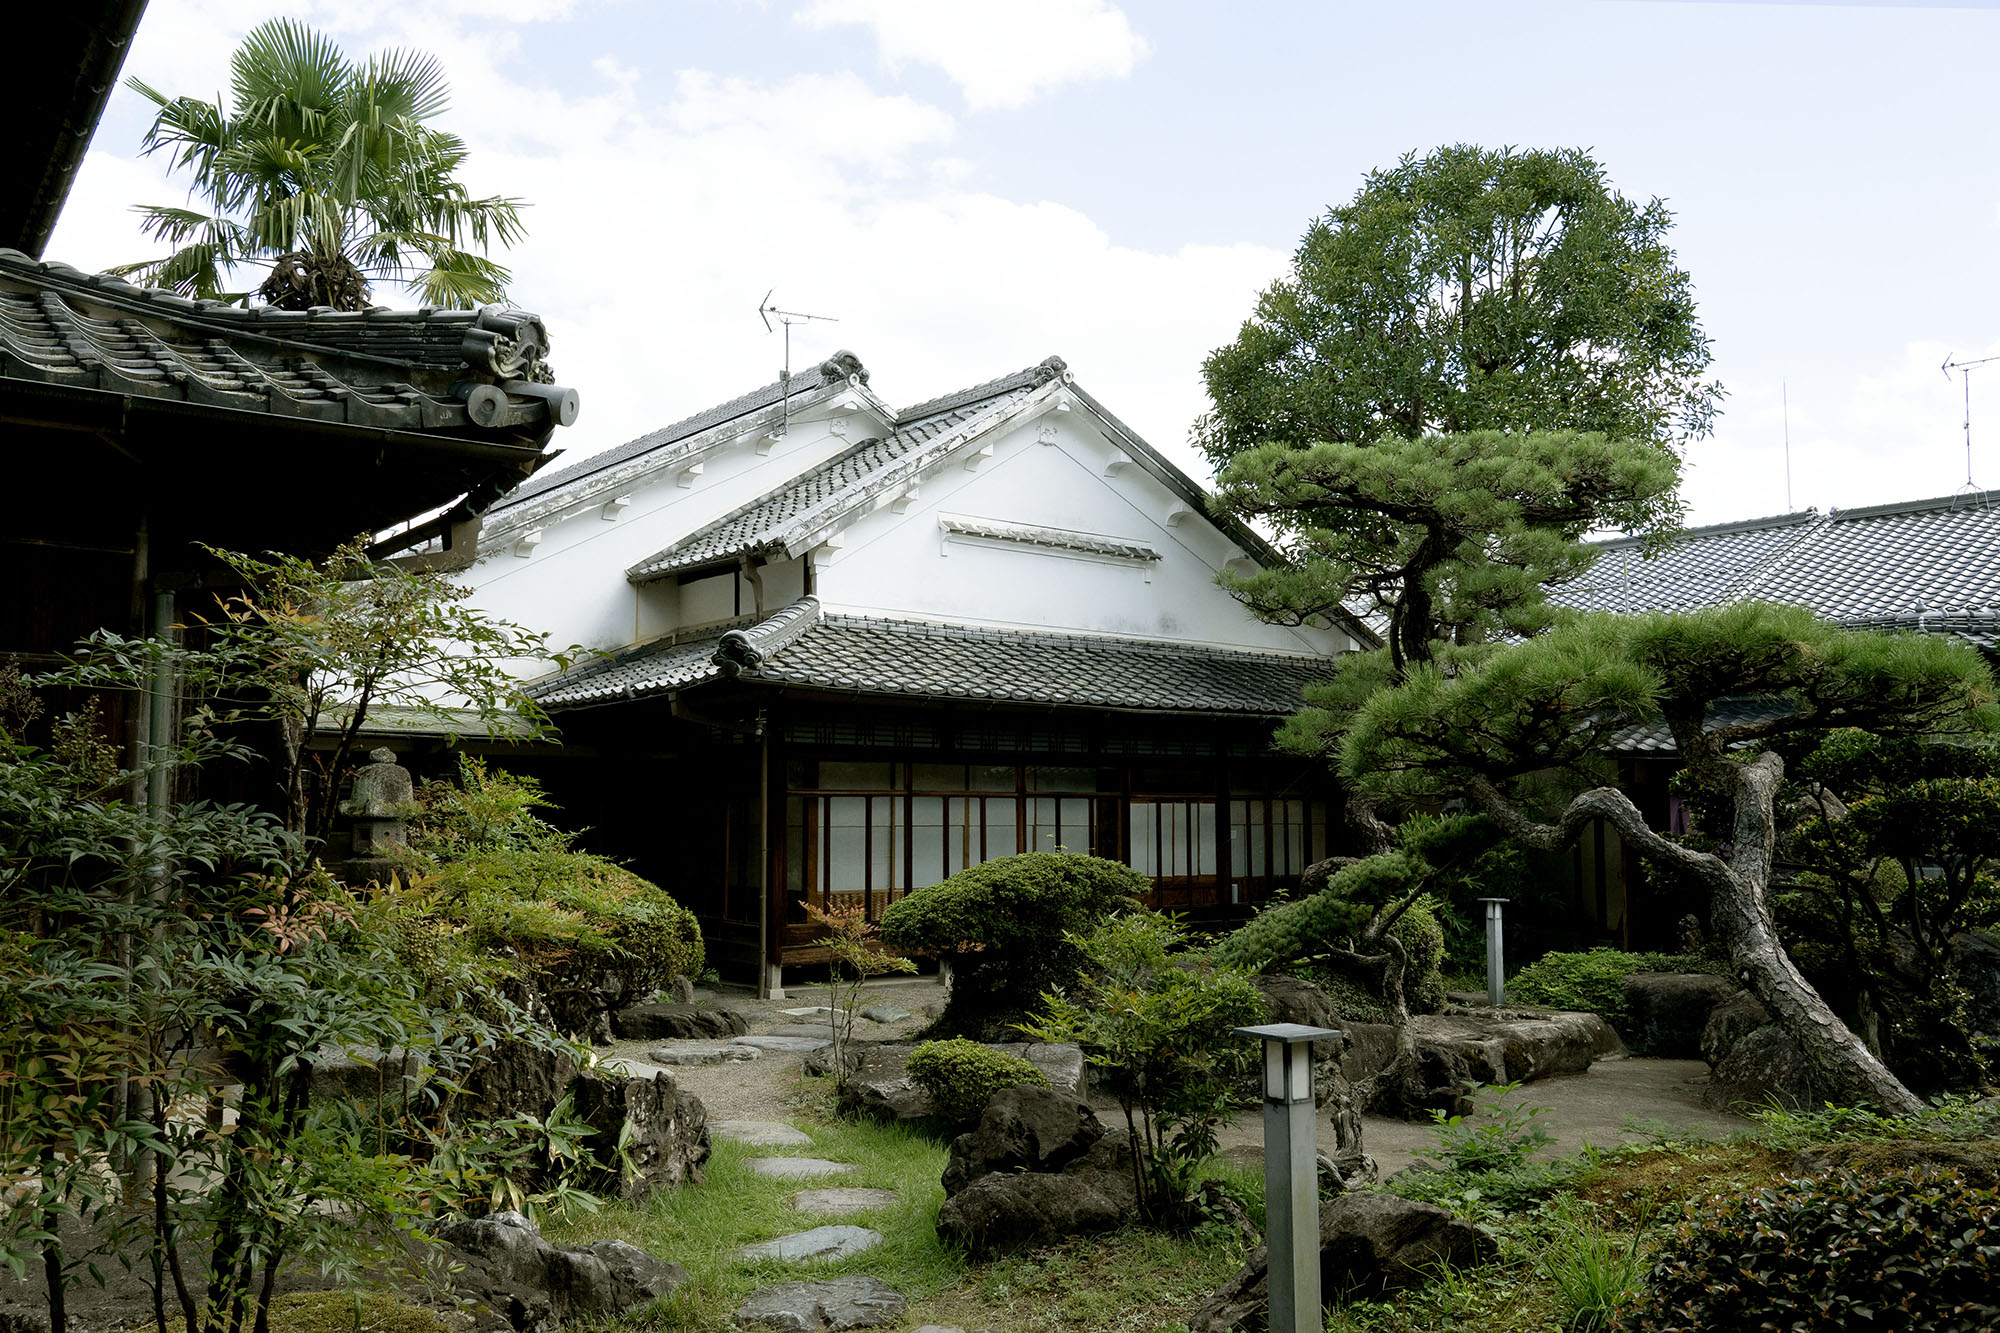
{"points": [[1496, 970], [1291, 1174]]}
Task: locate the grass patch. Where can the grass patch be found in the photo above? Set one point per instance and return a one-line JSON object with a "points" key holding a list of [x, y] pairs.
{"points": [[1128, 1281], [702, 1227]]}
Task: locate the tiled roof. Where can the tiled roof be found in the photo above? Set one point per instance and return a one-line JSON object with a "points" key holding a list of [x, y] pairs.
{"points": [[814, 496], [1925, 565], [1654, 738], [802, 646], [671, 663], [478, 374], [834, 370]]}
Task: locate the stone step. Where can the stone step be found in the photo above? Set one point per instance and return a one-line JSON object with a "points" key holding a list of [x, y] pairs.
{"points": [[823, 1031], [798, 1168], [759, 1133], [820, 1244], [702, 1053], [842, 1199], [775, 1043], [810, 1307]]}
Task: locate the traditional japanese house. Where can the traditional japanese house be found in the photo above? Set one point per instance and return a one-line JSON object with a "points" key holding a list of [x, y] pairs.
{"points": [[845, 649]]}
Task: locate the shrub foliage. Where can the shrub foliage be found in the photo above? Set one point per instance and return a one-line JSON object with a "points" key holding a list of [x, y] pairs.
{"points": [[1918, 1252], [1007, 923], [961, 1076], [1594, 982]]}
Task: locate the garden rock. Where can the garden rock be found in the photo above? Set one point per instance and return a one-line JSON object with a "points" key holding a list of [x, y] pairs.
{"points": [[1061, 1062], [665, 1022], [879, 1087], [1010, 1210], [1508, 1046], [1978, 1160], [1023, 1129], [1765, 1067], [1370, 1049], [505, 1266], [702, 1053], [1439, 1081], [1369, 1244], [759, 1133], [1732, 1020], [363, 1073], [821, 1243], [513, 1078], [1670, 1010], [841, 1200], [884, 1013], [664, 1131], [823, 1307], [776, 1043]]}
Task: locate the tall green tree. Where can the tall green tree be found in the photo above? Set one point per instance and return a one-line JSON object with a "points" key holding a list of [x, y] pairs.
{"points": [[327, 171], [1470, 289]]}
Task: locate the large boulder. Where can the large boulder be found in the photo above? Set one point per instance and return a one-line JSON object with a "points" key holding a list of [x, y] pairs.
{"points": [[515, 1077], [1011, 1210], [366, 1074], [1023, 1129], [651, 1135], [1370, 1049], [1730, 1022], [879, 1086], [1670, 1010], [1370, 1244], [1765, 1068], [504, 1267], [678, 1022], [1513, 1046]]}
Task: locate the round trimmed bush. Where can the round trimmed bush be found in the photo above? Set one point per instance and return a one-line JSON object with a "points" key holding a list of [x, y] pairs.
{"points": [[1594, 982], [1005, 925], [1916, 1252], [961, 1076]]}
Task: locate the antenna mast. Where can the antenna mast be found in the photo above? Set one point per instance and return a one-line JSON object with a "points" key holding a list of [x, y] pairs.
{"points": [[787, 318], [1964, 369]]}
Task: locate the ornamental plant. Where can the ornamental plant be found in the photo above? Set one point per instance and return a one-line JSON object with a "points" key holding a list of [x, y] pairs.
{"points": [[1918, 1252], [850, 939], [961, 1076], [1010, 928]]}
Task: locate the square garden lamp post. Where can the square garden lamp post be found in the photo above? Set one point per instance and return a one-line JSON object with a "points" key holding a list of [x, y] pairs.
{"points": [[1291, 1174], [1496, 968]]}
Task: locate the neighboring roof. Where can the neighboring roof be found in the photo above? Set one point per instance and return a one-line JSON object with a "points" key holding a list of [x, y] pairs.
{"points": [[67, 59], [842, 368], [803, 646], [812, 498], [480, 374], [1654, 738], [1932, 565]]}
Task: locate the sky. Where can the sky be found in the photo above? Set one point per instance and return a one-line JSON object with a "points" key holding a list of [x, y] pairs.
{"points": [[968, 186]]}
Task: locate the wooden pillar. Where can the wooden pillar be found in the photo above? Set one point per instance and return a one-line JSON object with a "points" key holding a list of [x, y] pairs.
{"points": [[771, 918]]}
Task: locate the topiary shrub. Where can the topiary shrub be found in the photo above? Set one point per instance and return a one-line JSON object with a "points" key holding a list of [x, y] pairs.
{"points": [[961, 1076], [1422, 937], [1918, 1253], [1594, 982], [1004, 926], [487, 876]]}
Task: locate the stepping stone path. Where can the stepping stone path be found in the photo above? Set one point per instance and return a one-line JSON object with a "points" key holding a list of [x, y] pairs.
{"points": [[798, 1168], [759, 1133], [818, 1307], [884, 1013], [776, 1043], [823, 1031], [810, 1011], [841, 1200], [702, 1053], [633, 1068], [820, 1243]]}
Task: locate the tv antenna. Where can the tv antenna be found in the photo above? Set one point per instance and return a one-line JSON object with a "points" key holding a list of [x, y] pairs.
{"points": [[1965, 369], [786, 318]]}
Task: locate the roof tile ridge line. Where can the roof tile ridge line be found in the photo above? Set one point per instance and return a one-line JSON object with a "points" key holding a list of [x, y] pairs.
{"points": [[1175, 647], [1758, 577], [1950, 503], [1713, 530], [742, 650], [1049, 367], [585, 487], [202, 316], [1042, 535], [836, 507], [743, 510]]}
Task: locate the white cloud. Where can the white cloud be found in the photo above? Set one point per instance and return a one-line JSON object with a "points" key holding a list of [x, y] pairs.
{"points": [[1002, 54], [662, 209]]}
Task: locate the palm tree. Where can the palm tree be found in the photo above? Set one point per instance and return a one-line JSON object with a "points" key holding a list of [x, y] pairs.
{"points": [[325, 171]]}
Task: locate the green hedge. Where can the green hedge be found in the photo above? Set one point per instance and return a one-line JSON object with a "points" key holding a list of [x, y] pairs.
{"points": [[1595, 981]]}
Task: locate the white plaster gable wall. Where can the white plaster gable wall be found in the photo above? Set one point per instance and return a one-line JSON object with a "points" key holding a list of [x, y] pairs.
{"points": [[572, 584], [1052, 473]]}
